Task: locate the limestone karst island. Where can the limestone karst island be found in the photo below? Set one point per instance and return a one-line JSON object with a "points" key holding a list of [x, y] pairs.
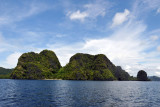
{"points": [[46, 65]]}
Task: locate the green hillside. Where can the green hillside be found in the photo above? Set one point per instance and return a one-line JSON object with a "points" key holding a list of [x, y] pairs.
{"points": [[5, 73], [91, 67], [46, 65], [36, 66]]}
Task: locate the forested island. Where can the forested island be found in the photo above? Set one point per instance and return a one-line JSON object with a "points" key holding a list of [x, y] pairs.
{"points": [[5, 73], [46, 65]]}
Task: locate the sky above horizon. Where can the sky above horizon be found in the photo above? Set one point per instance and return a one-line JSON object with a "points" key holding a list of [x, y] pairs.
{"points": [[127, 32]]}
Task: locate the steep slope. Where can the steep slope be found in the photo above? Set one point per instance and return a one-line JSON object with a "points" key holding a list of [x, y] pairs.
{"points": [[91, 67], [36, 66], [121, 74]]}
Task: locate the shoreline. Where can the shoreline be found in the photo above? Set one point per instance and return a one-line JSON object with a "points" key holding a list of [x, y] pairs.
{"points": [[51, 79]]}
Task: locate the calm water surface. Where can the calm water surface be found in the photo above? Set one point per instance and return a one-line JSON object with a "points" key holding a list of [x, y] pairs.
{"points": [[62, 93]]}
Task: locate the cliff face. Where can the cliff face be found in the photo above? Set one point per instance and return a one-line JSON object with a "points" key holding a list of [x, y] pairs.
{"points": [[91, 67], [36, 66], [121, 74]]}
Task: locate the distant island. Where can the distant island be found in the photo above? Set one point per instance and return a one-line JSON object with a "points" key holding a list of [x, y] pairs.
{"points": [[5, 73], [154, 78], [46, 65]]}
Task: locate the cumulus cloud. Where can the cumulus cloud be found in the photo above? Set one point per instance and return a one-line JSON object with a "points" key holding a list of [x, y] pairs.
{"points": [[120, 18], [11, 60], [125, 47], [78, 15], [91, 10]]}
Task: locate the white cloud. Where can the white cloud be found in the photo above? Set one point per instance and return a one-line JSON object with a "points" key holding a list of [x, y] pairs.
{"points": [[91, 10], [128, 67], [157, 73], [154, 37], [78, 15], [158, 67], [125, 47], [64, 52], [97, 8], [120, 18], [12, 13], [143, 7], [11, 60], [7, 47], [150, 4]]}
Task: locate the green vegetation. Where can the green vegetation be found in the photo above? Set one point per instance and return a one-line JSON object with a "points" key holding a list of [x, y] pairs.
{"points": [[131, 78], [31, 65], [45, 65], [5, 73], [142, 76], [90, 67]]}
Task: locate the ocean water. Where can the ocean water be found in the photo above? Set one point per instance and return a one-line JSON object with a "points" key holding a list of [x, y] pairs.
{"points": [[63, 93]]}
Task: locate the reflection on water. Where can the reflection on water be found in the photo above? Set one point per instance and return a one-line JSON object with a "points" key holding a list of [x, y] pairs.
{"points": [[63, 93]]}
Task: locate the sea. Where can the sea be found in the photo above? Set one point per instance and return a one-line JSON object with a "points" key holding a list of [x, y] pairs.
{"points": [[69, 93]]}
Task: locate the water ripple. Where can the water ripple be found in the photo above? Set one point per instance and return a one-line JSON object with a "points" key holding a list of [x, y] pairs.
{"points": [[37, 93]]}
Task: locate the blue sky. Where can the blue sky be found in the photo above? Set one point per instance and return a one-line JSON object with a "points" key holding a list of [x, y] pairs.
{"points": [[127, 32]]}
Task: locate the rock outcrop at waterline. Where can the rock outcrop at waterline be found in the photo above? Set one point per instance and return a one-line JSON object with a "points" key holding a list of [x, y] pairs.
{"points": [[36, 66], [142, 76]]}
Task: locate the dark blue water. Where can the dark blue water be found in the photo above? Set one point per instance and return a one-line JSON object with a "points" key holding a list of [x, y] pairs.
{"points": [[55, 93]]}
